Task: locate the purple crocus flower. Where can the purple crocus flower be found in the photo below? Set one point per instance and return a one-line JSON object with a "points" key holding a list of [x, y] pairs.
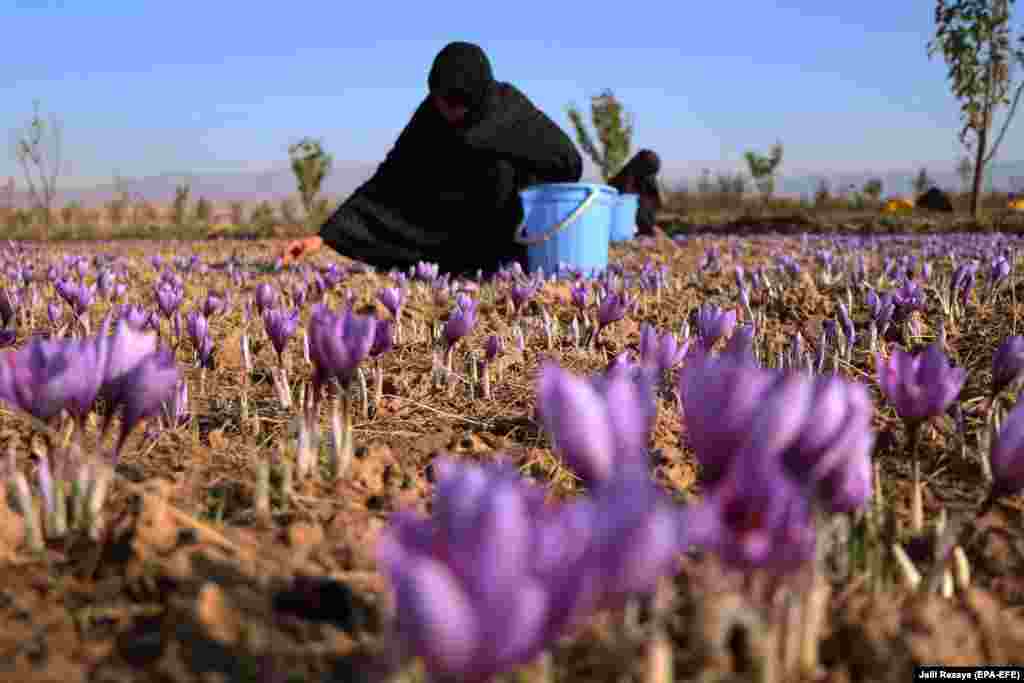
{"points": [[882, 309], [920, 386], [741, 344], [849, 330], [713, 323], [999, 272], [37, 378], [280, 326], [602, 549], [393, 299], [7, 310], [579, 295], [461, 320], [79, 296], [142, 392], [661, 353], [204, 352], [426, 271], [55, 312], [1007, 363], [613, 308], [106, 283], [168, 298], [214, 304], [719, 398], [1007, 456], [452, 574], [84, 378], [338, 344], [265, 298], [175, 409], [755, 517], [138, 317], [602, 431], [492, 347], [299, 293], [197, 326], [120, 353], [521, 295]]}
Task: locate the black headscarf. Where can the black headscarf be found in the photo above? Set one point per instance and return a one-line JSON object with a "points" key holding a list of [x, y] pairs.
{"points": [[462, 71], [644, 164]]}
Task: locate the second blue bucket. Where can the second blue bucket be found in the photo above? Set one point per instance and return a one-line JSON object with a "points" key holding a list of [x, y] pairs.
{"points": [[567, 223], [624, 217]]}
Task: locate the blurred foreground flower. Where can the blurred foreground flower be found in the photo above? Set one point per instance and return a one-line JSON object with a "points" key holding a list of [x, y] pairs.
{"points": [[601, 429], [496, 576], [713, 323], [1007, 363]]}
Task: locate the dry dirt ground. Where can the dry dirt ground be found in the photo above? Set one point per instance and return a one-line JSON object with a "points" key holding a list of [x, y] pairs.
{"points": [[187, 583]]}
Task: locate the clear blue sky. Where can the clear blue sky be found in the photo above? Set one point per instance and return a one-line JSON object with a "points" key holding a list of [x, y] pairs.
{"points": [[152, 87]]}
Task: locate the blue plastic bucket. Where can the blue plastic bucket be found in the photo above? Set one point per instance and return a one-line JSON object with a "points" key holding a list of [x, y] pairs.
{"points": [[567, 223], [624, 217]]}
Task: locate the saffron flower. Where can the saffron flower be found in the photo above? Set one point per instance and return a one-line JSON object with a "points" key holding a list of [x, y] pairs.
{"points": [[600, 429], [919, 386], [713, 323], [660, 353], [1007, 456], [1007, 363], [461, 320], [338, 344], [280, 327]]}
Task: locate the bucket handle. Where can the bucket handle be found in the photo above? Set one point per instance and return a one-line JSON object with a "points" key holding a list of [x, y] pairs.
{"points": [[520, 233]]}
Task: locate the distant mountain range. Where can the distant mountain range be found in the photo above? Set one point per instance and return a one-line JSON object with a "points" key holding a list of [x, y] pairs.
{"points": [[279, 183]]}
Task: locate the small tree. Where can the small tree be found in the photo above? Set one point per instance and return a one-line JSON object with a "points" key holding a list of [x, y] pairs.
{"points": [[975, 41], [71, 213], [288, 213], [922, 181], [321, 211], [730, 184], [704, 184], [310, 164], [237, 209], [38, 151], [822, 194], [7, 199], [116, 209], [262, 217], [204, 211], [179, 209], [762, 168], [873, 189], [614, 131]]}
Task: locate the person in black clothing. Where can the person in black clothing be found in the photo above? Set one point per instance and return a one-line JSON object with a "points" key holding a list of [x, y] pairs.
{"points": [[640, 176], [448, 191]]}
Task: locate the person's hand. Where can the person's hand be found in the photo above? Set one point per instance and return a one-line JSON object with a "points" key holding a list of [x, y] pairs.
{"points": [[296, 249]]}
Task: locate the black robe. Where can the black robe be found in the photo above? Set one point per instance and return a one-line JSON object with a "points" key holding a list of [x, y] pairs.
{"points": [[450, 195]]}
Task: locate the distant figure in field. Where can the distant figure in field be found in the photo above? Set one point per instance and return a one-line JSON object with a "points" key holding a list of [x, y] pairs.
{"points": [[640, 176], [448, 191], [935, 200]]}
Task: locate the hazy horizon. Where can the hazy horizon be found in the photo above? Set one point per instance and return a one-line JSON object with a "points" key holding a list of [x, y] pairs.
{"points": [[190, 88]]}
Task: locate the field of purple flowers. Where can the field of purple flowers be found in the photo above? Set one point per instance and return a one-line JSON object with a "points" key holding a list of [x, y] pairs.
{"points": [[775, 458]]}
